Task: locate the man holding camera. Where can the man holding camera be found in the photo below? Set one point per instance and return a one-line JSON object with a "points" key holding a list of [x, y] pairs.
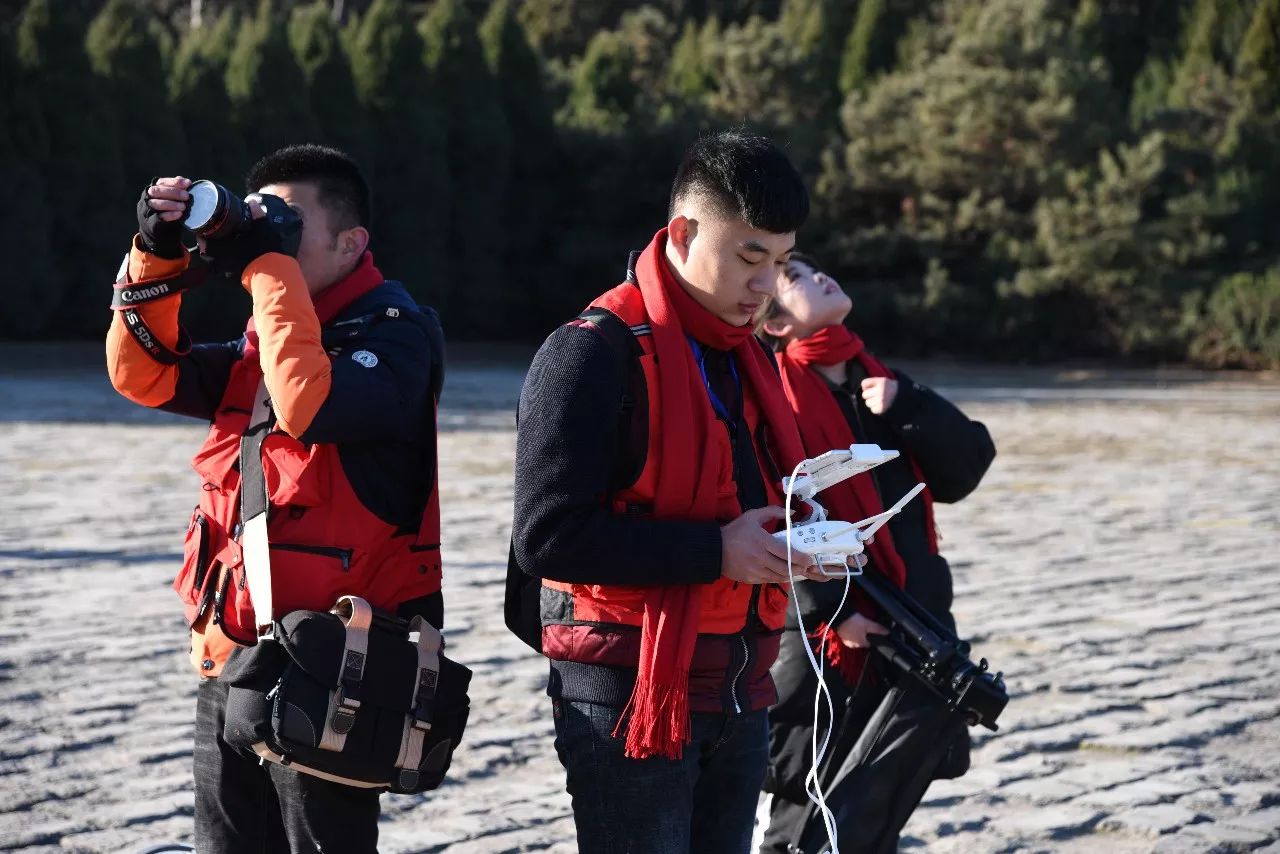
{"points": [[349, 369]]}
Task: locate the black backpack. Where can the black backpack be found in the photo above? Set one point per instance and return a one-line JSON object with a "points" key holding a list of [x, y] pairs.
{"points": [[521, 605]]}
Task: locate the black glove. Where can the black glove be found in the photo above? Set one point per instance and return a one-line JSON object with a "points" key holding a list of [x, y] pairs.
{"points": [[279, 231], [160, 238]]}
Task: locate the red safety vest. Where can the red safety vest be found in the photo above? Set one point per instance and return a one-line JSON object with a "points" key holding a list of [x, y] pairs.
{"points": [[596, 623], [324, 542]]}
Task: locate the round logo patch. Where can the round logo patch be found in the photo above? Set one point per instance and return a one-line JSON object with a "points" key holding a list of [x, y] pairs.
{"points": [[364, 357]]}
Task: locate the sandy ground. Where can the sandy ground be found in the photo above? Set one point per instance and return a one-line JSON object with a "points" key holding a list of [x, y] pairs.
{"points": [[1119, 564]]}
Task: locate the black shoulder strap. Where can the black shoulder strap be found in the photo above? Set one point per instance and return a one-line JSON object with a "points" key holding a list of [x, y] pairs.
{"points": [[621, 338], [633, 432]]}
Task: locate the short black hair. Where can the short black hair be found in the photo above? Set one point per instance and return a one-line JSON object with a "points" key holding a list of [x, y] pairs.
{"points": [[339, 185], [743, 175]]}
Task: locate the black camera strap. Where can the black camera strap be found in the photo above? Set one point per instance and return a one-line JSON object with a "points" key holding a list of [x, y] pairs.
{"points": [[254, 506], [128, 296]]}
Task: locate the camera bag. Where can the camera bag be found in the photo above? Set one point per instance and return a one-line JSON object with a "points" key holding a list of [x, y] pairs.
{"points": [[349, 696]]}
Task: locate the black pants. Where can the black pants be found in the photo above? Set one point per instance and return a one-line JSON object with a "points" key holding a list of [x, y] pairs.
{"points": [[702, 803], [247, 807], [876, 773]]}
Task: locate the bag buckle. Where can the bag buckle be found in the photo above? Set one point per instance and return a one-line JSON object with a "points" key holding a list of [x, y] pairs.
{"points": [[344, 715]]}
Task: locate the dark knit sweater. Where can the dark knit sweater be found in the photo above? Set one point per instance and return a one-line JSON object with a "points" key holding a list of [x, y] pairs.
{"points": [[568, 447]]}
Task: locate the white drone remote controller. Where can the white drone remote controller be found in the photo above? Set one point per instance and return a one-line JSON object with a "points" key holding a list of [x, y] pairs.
{"points": [[820, 472], [833, 543]]}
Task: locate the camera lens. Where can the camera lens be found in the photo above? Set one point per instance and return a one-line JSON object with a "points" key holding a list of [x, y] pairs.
{"points": [[214, 211]]}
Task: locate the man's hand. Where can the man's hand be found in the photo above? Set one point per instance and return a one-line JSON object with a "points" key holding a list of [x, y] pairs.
{"points": [[275, 228], [853, 632], [160, 212], [878, 394], [752, 555]]}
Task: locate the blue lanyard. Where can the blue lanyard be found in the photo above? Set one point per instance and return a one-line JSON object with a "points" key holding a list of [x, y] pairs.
{"points": [[716, 403]]}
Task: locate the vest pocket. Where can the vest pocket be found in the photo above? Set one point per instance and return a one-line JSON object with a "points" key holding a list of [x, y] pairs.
{"points": [[295, 474], [774, 604], [609, 603], [310, 577], [193, 577]]}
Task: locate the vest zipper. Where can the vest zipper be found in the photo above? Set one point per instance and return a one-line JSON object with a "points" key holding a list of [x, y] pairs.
{"points": [[343, 555], [206, 596], [733, 687], [750, 626], [202, 554], [220, 598]]}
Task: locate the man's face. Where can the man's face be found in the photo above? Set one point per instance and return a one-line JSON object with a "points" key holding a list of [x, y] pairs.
{"points": [[729, 266], [810, 299], [324, 256]]}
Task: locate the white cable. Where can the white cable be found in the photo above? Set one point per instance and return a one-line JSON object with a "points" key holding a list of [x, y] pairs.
{"points": [[812, 784]]}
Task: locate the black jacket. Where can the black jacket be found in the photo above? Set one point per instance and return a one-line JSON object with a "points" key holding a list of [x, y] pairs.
{"points": [[953, 453]]}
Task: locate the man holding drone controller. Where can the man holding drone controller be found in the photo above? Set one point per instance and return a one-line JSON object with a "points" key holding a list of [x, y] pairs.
{"points": [[890, 730], [344, 457], [653, 437]]}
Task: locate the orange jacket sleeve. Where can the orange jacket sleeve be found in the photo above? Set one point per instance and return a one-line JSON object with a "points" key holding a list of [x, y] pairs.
{"points": [[133, 372], [296, 367]]}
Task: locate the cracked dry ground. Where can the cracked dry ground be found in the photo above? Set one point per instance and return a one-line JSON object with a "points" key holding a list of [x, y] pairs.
{"points": [[1119, 564]]}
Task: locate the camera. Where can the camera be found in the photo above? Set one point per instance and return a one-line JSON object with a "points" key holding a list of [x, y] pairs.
{"points": [[215, 212], [927, 650]]}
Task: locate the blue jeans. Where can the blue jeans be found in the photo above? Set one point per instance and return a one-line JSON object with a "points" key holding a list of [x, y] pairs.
{"points": [[703, 803]]}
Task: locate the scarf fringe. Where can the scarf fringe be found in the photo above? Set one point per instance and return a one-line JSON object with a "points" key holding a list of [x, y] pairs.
{"points": [[846, 660], [656, 720]]}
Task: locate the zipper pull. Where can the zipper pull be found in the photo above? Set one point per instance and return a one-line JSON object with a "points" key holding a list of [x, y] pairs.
{"points": [[345, 556]]}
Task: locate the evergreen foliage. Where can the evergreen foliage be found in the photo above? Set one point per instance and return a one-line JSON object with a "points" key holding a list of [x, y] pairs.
{"points": [[1016, 179]]}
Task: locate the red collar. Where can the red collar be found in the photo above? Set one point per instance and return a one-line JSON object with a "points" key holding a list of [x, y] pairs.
{"points": [[333, 299]]}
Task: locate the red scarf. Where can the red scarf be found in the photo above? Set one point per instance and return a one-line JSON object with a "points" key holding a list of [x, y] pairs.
{"points": [[332, 300], [695, 482], [823, 426]]}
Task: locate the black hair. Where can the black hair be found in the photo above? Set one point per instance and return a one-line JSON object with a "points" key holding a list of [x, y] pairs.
{"points": [[743, 175], [805, 259], [340, 187]]}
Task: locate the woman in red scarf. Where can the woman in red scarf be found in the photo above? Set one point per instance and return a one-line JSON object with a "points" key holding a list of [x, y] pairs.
{"points": [[842, 394]]}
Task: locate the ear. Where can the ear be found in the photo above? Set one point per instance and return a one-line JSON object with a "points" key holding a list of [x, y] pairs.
{"points": [[680, 233], [780, 327], [354, 241]]}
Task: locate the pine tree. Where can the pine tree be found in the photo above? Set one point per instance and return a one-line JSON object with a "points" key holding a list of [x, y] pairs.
{"points": [[603, 97], [947, 159], [410, 177], [856, 63], [561, 29], [25, 229], [270, 102], [340, 117], [1259, 63], [81, 166], [126, 57], [535, 200], [215, 151], [198, 91], [478, 150], [689, 77]]}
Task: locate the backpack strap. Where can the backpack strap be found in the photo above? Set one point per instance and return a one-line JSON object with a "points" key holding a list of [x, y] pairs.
{"points": [[624, 341]]}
